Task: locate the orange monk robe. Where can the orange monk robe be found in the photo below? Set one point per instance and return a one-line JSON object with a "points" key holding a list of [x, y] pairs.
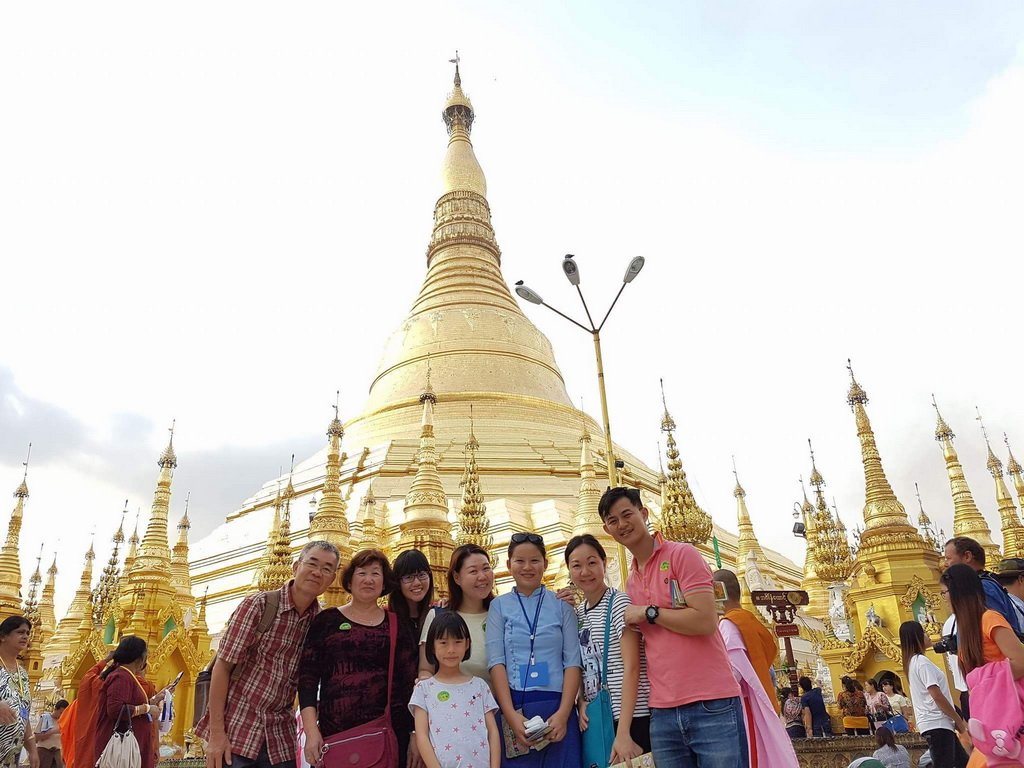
{"points": [[66, 722], [762, 648], [85, 719]]}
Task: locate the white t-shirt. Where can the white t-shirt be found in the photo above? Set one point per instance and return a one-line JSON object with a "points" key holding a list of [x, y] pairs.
{"points": [[476, 665], [923, 674], [952, 660], [457, 714], [591, 627]]}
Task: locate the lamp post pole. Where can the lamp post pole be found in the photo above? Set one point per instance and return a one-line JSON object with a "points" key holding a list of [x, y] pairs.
{"points": [[572, 273]]}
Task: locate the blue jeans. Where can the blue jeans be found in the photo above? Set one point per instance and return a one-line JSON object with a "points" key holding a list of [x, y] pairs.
{"points": [[704, 734]]}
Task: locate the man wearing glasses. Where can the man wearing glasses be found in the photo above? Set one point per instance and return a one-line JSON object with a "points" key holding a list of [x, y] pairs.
{"points": [[250, 722]]}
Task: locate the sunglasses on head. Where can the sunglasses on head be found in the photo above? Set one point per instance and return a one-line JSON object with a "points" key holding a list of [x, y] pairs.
{"points": [[523, 537]]}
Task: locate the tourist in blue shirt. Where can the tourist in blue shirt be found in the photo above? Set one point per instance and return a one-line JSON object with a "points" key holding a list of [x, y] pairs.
{"points": [[533, 653]]}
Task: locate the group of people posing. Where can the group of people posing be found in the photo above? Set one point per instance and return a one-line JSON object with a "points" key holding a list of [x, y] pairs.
{"points": [[528, 678]]}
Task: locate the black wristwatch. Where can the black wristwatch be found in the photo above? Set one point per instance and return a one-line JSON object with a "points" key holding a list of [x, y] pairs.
{"points": [[651, 613]]}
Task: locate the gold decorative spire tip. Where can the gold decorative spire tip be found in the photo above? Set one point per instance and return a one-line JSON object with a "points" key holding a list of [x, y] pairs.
{"points": [[667, 422], [22, 490], [856, 394], [168, 459], [336, 428], [815, 479], [738, 491]]}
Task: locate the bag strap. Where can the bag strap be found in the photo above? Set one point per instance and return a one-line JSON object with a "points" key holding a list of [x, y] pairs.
{"points": [[124, 708], [607, 633], [270, 607], [393, 634]]}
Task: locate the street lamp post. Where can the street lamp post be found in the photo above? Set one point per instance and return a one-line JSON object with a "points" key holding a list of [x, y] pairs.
{"points": [[572, 273]]}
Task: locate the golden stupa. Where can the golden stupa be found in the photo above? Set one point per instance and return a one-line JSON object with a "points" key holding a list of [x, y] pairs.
{"points": [[468, 405]]}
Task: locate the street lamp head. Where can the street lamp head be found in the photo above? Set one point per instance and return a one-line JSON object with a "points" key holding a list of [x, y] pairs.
{"points": [[633, 269], [526, 293], [571, 270]]}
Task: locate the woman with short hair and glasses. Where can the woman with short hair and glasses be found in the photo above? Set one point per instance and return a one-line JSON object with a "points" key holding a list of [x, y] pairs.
{"points": [[470, 592], [343, 673], [533, 653], [413, 592]]}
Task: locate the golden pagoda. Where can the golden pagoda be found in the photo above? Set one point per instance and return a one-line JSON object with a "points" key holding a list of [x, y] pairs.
{"points": [[33, 656], [752, 567], [967, 520], [10, 565], [682, 519], [276, 570], [426, 526], [330, 522], [895, 572], [473, 522], [1013, 534], [817, 590], [47, 619], [150, 603], [1014, 546], [180, 579], [406, 462]]}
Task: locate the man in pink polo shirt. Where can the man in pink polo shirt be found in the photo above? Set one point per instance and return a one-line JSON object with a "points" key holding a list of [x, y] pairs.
{"points": [[696, 720]]}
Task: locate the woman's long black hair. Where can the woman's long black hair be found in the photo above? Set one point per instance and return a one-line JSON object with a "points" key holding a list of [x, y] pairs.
{"points": [[410, 561]]}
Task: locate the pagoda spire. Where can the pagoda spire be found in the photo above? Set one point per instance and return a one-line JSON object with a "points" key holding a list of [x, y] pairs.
{"points": [[833, 557], [33, 655], [746, 542], [924, 523], [882, 510], [133, 551], [150, 592], [47, 617], [10, 565], [816, 589], [1015, 471], [331, 521], [105, 594], [180, 579], [967, 520], [276, 568], [465, 314], [31, 607], [425, 526], [1010, 523], [587, 519], [681, 517], [68, 630], [370, 534], [473, 522]]}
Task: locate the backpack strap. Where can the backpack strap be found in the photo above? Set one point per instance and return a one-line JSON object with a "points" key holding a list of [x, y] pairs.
{"points": [[607, 633], [272, 602]]}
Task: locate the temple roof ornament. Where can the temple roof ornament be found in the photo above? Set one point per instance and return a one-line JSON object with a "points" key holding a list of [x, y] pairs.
{"points": [[67, 633], [473, 522], [967, 519], [682, 519], [882, 510], [924, 522], [105, 595], [747, 543], [1015, 472], [1012, 530], [180, 577], [276, 568]]}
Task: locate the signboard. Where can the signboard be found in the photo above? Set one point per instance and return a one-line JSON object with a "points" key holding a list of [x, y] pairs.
{"points": [[786, 630], [779, 597]]}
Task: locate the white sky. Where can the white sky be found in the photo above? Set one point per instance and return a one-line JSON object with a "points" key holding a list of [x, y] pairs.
{"points": [[218, 212]]}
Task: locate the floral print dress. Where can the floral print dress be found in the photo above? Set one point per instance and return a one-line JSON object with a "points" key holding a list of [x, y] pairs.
{"points": [[14, 693]]}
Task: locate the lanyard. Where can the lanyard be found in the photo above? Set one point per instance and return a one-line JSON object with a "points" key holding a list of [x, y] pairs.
{"points": [[536, 619]]}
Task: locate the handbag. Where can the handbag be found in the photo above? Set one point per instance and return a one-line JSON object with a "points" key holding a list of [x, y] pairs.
{"points": [[122, 751], [600, 734], [372, 744], [896, 724]]}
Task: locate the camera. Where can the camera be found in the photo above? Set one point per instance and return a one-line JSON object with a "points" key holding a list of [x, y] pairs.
{"points": [[946, 645]]}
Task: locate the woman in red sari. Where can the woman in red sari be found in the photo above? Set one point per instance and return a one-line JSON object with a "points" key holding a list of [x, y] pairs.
{"points": [[122, 697]]}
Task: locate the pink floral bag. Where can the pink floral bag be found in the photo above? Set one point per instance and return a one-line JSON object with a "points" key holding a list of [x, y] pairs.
{"points": [[997, 713]]}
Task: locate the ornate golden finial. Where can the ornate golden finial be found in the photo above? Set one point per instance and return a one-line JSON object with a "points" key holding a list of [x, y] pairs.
{"points": [[856, 394], [336, 428], [473, 522], [455, 61], [109, 585], [184, 524], [942, 430], [21, 492], [816, 480], [1012, 467], [428, 391], [1013, 545], [31, 611], [168, 458], [995, 466], [1013, 531], [681, 517], [276, 568], [738, 491]]}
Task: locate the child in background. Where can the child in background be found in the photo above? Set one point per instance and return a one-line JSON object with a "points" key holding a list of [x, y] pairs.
{"points": [[454, 712]]}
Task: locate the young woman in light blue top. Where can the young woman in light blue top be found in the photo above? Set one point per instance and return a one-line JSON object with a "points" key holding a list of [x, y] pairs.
{"points": [[533, 653]]}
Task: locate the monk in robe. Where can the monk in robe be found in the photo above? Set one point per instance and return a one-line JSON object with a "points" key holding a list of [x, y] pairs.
{"points": [[84, 747], [769, 746]]}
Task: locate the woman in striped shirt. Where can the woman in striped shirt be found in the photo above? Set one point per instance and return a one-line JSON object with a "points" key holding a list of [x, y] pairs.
{"points": [[627, 669]]}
